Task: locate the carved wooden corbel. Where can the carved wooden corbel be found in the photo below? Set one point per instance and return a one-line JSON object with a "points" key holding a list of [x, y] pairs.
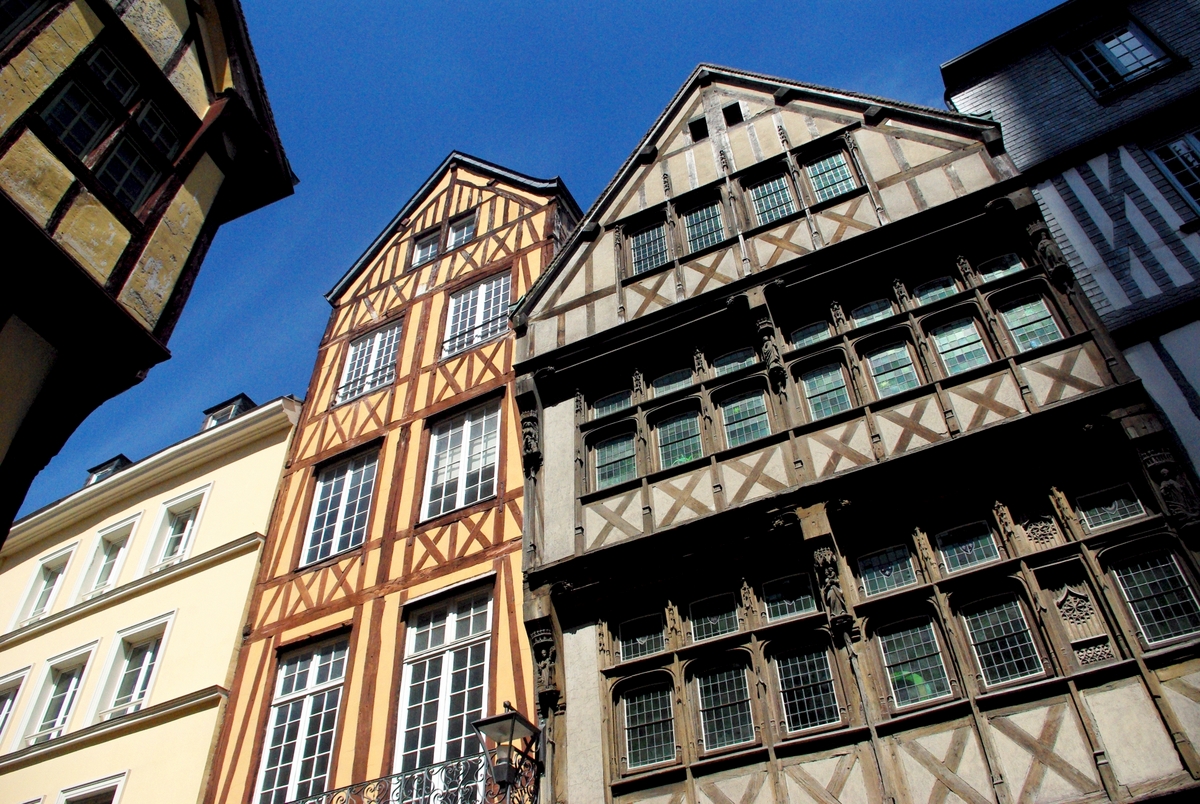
{"points": [[770, 356], [1179, 498], [531, 436], [839, 316]]}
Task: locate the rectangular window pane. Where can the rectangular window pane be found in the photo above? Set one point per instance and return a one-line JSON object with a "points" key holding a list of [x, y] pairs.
{"points": [[704, 226], [483, 447], [1182, 161], [370, 364], [914, 665], [50, 576], [612, 403], [889, 569], [745, 418], [425, 249], [671, 381], [731, 362], [160, 133], [135, 677], [960, 346], [649, 248], [967, 546], [825, 390], [831, 177], [1111, 505], [871, 312], [1002, 643], [343, 503], [1115, 58], [807, 687], [477, 314], [642, 637], [462, 468], [788, 596], [934, 290], [892, 370], [679, 440], [772, 200], [615, 461], [63, 691], [77, 120], [810, 334], [127, 174], [15, 15], [461, 232], [1030, 323], [725, 708], [1160, 597], [115, 78], [713, 617], [649, 726], [8, 699]]}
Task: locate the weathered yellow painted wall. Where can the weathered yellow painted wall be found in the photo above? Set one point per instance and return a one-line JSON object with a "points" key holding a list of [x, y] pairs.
{"points": [[92, 235], [33, 177], [149, 287]]}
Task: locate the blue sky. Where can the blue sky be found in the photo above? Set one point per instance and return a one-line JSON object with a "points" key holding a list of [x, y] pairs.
{"points": [[369, 98]]}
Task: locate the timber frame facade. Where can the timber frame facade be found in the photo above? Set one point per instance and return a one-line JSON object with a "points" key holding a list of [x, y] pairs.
{"points": [[393, 556], [838, 491]]}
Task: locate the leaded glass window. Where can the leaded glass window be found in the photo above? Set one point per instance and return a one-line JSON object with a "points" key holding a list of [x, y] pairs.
{"points": [[341, 508], [960, 345], [745, 418], [914, 665], [642, 637], [713, 617], [786, 597], [806, 684], [615, 461], [649, 726], [1003, 646], [299, 742], [871, 312], [1159, 596], [810, 334], [477, 314], [370, 364], [892, 369], [1115, 58], [612, 403], [1181, 159], [725, 708], [732, 361], [934, 289], [825, 391], [678, 440], [463, 452], [967, 546], [831, 177], [703, 226], [1030, 323], [772, 200], [886, 570], [1110, 506], [1000, 266], [671, 381], [649, 248]]}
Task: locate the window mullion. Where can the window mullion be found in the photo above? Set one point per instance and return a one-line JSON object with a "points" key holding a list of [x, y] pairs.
{"points": [[443, 713]]}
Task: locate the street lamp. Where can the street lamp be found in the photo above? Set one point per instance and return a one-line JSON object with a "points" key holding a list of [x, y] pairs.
{"points": [[511, 743]]}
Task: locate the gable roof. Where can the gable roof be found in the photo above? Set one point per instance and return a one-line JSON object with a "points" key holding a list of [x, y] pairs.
{"points": [[705, 73], [554, 186]]}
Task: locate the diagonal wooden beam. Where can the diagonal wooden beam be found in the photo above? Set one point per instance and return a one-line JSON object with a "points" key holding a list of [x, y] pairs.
{"points": [[941, 773], [1043, 753]]}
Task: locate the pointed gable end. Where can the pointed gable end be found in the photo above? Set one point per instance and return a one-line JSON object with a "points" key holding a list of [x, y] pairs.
{"points": [[742, 173]]}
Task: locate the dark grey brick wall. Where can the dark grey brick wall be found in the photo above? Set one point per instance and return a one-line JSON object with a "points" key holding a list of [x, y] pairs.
{"points": [[1044, 110]]}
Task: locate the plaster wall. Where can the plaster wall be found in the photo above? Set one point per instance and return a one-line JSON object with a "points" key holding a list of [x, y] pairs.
{"points": [[584, 716], [558, 537]]}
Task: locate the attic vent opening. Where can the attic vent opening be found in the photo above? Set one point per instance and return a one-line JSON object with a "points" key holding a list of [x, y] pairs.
{"points": [[698, 129], [733, 114]]}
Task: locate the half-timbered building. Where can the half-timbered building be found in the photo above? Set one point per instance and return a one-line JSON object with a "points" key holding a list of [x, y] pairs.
{"points": [[839, 493], [386, 619], [1100, 108], [129, 132]]}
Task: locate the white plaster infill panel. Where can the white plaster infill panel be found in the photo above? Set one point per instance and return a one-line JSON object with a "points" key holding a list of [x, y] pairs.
{"points": [[745, 786], [681, 498], [1183, 694], [782, 244], [585, 771], [947, 763], [748, 477], [613, 520], [844, 221], [652, 293], [911, 425], [1138, 746], [1043, 755], [667, 794], [838, 775], [986, 400], [1066, 374], [711, 272], [841, 447]]}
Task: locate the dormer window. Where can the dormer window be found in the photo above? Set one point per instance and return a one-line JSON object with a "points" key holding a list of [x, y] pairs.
{"points": [[1115, 58], [107, 469]]}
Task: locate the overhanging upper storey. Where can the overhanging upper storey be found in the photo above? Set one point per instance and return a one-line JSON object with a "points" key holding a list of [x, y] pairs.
{"points": [[743, 172]]}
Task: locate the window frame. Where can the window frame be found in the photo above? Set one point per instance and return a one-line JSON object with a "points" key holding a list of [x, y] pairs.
{"points": [[748, 188], [810, 367], [600, 438], [735, 395], [725, 663], [829, 333], [23, 23], [622, 693], [304, 695], [916, 578], [16, 682], [704, 237], [35, 713], [1189, 583], [807, 166], [620, 639], [807, 579], [157, 628], [1192, 140], [465, 415], [82, 793], [471, 218], [799, 649], [434, 236], [474, 336], [659, 223], [1011, 302], [629, 404], [939, 543], [24, 615], [1089, 527], [153, 559], [373, 367], [734, 610], [940, 643], [950, 318], [671, 414], [1094, 38], [992, 602], [320, 471], [878, 347], [87, 585]]}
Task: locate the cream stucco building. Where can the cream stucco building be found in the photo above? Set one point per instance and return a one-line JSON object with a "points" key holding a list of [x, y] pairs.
{"points": [[122, 607]]}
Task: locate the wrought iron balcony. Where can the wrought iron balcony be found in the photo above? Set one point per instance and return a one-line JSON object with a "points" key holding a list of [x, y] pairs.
{"points": [[459, 781]]}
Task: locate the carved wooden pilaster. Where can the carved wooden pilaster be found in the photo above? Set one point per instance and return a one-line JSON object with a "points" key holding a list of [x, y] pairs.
{"points": [[969, 277], [531, 430], [1179, 499], [545, 662]]}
